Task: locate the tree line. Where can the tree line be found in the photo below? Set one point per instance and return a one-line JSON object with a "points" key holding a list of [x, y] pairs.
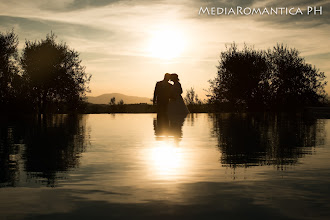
{"points": [[47, 76]]}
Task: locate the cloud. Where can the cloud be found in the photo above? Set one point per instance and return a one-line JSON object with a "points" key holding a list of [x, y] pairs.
{"points": [[70, 5]]}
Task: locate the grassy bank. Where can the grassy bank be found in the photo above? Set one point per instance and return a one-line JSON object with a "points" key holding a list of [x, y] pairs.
{"points": [[317, 112], [137, 108]]}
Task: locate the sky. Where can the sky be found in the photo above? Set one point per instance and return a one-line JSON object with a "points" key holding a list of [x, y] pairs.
{"points": [[128, 45]]}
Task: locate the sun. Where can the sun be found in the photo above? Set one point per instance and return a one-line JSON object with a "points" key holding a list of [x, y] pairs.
{"points": [[166, 44]]}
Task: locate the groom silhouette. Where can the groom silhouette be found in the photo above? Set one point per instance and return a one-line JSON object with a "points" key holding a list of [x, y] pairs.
{"points": [[162, 94]]}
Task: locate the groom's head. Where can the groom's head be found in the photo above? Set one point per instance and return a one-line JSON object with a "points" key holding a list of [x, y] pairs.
{"points": [[167, 76]]}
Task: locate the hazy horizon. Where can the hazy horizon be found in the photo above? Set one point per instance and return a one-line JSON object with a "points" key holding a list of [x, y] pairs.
{"points": [[128, 46]]}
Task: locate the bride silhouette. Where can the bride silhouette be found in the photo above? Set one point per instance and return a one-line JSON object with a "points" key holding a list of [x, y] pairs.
{"points": [[176, 105]]}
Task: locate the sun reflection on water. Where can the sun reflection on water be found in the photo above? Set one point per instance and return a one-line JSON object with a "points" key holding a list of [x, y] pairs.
{"points": [[167, 160]]}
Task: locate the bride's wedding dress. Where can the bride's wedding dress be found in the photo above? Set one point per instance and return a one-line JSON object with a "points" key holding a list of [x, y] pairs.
{"points": [[176, 105]]}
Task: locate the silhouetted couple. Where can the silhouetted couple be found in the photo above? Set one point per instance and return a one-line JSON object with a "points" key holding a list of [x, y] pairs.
{"points": [[167, 97], [171, 109]]}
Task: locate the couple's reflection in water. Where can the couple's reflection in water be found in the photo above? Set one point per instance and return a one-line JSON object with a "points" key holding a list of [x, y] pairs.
{"points": [[168, 127], [166, 154]]}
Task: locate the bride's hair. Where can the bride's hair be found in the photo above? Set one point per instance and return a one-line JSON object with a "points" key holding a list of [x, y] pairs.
{"points": [[175, 77]]}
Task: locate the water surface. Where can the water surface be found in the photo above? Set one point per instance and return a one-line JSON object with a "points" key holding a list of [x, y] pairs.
{"points": [[126, 166]]}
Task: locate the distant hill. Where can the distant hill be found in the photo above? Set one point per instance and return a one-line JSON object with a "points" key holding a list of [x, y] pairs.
{"points": [[105, 99]]}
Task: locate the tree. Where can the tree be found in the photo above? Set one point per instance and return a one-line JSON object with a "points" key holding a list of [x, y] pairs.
{"points": [[194, 104], [242, 78], [294, 82], [259, 80], [54, 74], [112, 101], [8, 66], [192, 97], [121, 106], [121, 102]]}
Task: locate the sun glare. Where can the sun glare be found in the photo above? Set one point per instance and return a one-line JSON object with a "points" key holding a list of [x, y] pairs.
{"points": [[167, 160], [167, 44]]}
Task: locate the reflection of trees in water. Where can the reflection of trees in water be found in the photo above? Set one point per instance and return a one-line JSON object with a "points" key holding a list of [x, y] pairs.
{"points": [[191, 118], [265, 139], [51, 144], [8, 159]]}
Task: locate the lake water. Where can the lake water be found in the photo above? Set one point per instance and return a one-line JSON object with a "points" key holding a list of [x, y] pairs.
{"points": [[138, 166]]}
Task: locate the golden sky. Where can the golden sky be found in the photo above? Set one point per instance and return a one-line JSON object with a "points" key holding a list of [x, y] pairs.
{"points": [[128, 45]]}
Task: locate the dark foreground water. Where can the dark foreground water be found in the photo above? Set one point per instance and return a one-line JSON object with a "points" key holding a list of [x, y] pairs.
{"points": [[135, 166]]}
